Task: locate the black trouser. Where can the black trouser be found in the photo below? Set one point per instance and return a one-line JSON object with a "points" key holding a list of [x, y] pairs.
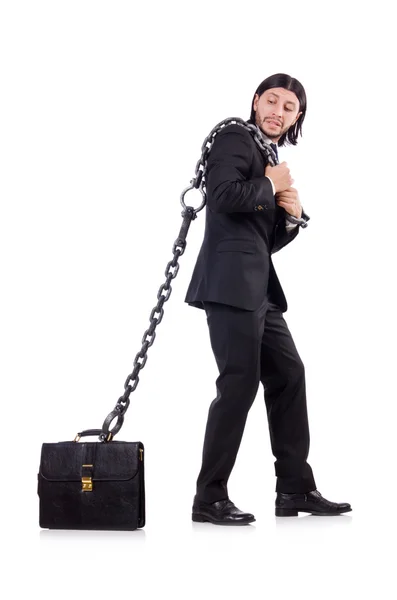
{"points": [[252, 347]]}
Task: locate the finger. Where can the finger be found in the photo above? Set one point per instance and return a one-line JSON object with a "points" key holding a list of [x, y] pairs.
{"points": [[286, 206]]}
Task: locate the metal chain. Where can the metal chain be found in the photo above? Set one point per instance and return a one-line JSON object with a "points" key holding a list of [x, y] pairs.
{"points": [[201, 167], [189, 214]]}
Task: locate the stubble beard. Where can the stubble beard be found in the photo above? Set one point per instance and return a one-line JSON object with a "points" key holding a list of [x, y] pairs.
{"points": [[261, 122]]}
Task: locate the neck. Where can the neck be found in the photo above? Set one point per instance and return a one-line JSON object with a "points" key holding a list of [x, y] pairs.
{"points": [[266, 138]]}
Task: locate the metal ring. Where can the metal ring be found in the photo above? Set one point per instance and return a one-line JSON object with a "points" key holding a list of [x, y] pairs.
{"points": [[111, 416], [190, 187]]}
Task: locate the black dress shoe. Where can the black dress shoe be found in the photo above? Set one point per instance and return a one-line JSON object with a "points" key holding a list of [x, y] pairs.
{"points": [[288, 505], [223, 512]]}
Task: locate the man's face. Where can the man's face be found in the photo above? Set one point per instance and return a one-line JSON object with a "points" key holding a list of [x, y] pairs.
{"points": [[276, 104]]}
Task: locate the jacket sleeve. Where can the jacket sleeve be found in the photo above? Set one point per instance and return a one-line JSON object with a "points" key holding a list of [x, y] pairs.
{"points": [[284, 236], [227, 184]]}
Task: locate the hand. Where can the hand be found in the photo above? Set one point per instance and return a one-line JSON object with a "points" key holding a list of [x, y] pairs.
{"points": [[289, 200], [280, 175]]}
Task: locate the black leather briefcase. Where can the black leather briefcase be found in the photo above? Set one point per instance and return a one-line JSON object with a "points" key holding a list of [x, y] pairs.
{"points": [[92, 485]]}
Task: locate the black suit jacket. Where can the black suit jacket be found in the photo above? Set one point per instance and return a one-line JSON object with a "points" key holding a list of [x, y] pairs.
{"points": [[243, 228]]}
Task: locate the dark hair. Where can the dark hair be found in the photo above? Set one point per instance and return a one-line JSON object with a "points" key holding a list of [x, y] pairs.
{"points": [[289, 83]]}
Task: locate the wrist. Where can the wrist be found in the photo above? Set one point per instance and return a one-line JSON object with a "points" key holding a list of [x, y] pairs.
{"points": [[302, 221]]}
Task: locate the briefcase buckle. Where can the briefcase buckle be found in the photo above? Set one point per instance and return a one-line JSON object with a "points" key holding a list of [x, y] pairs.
{"points": [[86, 484]]}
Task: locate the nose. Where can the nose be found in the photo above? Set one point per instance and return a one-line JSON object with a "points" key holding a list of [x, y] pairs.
{"points": [[277, 112]]}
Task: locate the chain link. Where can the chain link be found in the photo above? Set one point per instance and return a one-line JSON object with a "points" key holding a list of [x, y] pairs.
{"points": [[189, 214]]}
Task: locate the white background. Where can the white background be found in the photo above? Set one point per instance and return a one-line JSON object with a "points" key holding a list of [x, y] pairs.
{"points": [[104, 107]]}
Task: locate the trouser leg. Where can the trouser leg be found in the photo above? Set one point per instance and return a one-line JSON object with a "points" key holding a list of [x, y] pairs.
{"points": [[236, 336], [283, 378]]}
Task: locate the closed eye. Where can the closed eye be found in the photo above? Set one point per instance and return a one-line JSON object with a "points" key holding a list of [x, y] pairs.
{"points": [[289, 109]]}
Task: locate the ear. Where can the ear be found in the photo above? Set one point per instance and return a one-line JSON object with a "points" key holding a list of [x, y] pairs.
{"points": [[299, 114], [256, 99]]}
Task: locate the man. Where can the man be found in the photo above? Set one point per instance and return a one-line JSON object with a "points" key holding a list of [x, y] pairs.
{"points": [[234, 281]]}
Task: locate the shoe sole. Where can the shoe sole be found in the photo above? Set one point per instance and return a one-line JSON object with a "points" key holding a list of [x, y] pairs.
{"points": [[292, 512], [198, 518]]}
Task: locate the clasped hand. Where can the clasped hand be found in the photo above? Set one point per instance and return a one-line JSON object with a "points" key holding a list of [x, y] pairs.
{"points": [[289, 200]]}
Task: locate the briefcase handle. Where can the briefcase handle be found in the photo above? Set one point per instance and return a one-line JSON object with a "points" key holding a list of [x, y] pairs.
{"points": [[92, 432]]}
